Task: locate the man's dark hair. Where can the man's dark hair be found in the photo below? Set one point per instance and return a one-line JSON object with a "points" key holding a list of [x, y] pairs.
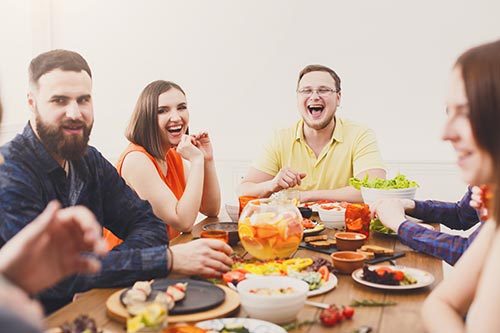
{"points": [[56, 59]]}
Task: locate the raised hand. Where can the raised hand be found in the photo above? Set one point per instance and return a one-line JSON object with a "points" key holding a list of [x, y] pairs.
{"points": [[480, 199], [58, 243], [287, 178], [187, 149], [202, 142]]}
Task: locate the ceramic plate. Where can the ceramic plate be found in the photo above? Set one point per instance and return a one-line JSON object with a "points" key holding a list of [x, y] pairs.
{"points": [[423, 278], [326, 287], [318, 228], [253, 325], [200, 295]]}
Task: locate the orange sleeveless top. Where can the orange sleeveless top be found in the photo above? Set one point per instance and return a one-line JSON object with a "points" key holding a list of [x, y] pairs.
{"points": [[174, 179]]}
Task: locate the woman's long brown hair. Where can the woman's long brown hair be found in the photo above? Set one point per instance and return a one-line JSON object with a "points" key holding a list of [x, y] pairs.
{"points": [[480, 68]]}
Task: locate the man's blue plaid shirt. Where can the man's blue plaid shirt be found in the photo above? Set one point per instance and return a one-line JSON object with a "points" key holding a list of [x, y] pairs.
{"points": [[448, 247]]}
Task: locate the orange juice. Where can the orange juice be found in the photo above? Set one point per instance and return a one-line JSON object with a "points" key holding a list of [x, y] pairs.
{"points": [[270, 235], [357, 218], [221, 235], [244, 200]]}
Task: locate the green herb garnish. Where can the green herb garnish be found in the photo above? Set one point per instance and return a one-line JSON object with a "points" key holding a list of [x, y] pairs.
{"points": [[371, 302], [298, 324]]}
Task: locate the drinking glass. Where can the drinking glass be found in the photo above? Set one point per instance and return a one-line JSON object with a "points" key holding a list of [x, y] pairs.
{"points": [[357, 218], [151, 318], [221, 235], [293, 195], [243, 200]]}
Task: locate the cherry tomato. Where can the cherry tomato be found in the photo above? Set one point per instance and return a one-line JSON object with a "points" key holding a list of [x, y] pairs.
{"points": [[330, 316], [348, 312]]}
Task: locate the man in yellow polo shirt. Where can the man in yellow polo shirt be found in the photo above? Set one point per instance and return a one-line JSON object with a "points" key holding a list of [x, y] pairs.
{"points": [[319, 154]]}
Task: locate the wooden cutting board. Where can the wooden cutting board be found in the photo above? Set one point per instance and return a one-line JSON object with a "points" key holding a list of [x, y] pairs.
{"points": [[115, 309]]}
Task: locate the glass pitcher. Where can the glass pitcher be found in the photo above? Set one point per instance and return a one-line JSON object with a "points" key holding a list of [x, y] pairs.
{"points": [[270, 228]]}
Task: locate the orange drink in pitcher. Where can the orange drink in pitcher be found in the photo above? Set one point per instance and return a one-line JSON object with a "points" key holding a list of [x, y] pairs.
{"points": [[270, 228]]}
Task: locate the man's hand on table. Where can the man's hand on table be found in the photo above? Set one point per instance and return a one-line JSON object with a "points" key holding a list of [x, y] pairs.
{"points": [[391, 212], [208, 257]]}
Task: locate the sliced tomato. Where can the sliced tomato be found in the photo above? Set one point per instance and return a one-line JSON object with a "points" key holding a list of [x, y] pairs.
{"points": [[398, 275], [325, 273], [383, 270], [234, 276], [307, 223]]}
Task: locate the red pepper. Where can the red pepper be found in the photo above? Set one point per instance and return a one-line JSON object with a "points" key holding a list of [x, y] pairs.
{"points": [[234, 276]]}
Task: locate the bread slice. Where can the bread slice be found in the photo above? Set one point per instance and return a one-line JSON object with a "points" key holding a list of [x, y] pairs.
{"points": [[323, 243], [368, 255], [316, 238], [377, 249]]}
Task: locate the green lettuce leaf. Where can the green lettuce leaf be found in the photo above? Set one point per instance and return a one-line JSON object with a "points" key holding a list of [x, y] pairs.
{"points": [[398, 182]]}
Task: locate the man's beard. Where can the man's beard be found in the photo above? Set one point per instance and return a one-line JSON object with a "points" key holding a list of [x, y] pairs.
{"points": [[69, 148], [321, 125]]}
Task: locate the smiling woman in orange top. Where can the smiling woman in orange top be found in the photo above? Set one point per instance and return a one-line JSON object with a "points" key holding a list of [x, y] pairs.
{"points": [[153, 163]]}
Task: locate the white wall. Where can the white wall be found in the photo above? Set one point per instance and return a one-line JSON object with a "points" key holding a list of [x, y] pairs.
{"points": [[238, 62]]}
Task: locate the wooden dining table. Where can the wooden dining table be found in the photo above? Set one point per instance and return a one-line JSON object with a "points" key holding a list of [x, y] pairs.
{"points": [[404, 316]]}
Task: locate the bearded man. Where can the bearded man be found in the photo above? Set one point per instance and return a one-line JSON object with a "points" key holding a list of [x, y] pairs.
{"points": [[51, 160], [319, 154]]}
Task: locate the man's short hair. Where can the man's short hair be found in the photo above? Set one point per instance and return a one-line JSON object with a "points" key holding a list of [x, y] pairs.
{"points": [[320, 68], [56, 59]]}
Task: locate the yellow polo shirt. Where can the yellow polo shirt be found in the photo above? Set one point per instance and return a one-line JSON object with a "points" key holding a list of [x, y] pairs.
{"points": [[352, 150]]}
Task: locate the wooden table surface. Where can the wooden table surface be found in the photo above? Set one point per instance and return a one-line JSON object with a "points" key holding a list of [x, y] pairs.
{"points": [[403, 317]]}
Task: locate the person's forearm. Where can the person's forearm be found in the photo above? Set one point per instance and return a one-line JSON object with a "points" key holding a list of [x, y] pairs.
{"points": [[440, 317], [261, 190], [188, 205], [348, 193], [210, 201], [119, 269], [455, 215]]}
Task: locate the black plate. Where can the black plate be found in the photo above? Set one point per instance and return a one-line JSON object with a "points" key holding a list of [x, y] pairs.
{"points": [[314, 231], [327, 250], [200, 295]]}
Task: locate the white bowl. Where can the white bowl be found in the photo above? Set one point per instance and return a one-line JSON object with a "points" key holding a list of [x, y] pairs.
{"points": [[371, 195], [233, 209], [332, 218], [277, 308]]}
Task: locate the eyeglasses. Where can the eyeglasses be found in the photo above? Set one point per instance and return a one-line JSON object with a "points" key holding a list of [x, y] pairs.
{"points": [[323, 91]]}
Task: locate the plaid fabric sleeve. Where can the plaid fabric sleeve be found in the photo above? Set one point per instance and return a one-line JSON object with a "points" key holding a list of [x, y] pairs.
{"points": [[455, 215], [441, 245]]}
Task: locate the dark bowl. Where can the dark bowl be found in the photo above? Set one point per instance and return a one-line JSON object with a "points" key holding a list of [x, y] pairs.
{"points": [[306, 212], [230, 227]]}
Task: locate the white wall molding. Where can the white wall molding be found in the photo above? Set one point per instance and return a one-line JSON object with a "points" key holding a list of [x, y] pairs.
{"points": [[438, 180]]}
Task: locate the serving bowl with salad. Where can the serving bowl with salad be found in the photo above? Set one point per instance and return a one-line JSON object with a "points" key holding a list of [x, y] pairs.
{"points": [[377, 188]]}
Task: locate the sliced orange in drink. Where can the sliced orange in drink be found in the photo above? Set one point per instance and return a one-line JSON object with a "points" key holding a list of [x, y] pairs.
{"points": [[245, 231], [265, 231], [284, 248], [265, 218]]}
